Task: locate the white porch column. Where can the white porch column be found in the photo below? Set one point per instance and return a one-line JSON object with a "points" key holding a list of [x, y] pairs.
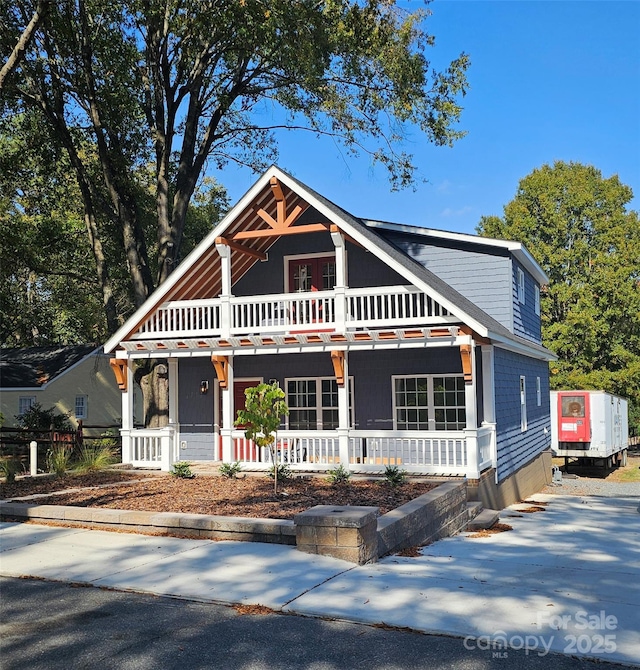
{"points": [[127, 416], [470, 405], [225, 292], [174, 454], [173, 391], [489, 400], [344, 417], [228, 414], [341, 279]]}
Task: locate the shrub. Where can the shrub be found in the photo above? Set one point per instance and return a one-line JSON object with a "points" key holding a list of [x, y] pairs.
{"points": [[339, 475], [95, 458], [230, 470], [38, 419], [394, 476], [182, 469], [283, 472], [58, 459], [10, 466]]}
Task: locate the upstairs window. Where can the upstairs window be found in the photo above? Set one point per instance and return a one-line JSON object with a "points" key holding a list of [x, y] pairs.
{"points": [[536, 300], [520, 275], [315, 273]]}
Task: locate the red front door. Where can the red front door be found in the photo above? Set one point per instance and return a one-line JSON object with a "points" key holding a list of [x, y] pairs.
{"points": [[241, 450]]}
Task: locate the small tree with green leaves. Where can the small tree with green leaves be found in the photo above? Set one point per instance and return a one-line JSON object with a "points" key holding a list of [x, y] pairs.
{"points": [[264, 408]]}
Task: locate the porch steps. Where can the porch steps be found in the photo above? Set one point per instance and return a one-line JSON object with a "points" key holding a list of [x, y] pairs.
{"points": [[484, 519], [474, 507]]}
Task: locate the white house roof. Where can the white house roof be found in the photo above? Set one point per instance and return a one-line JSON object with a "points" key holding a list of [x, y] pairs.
{"points": [[191, 281]]}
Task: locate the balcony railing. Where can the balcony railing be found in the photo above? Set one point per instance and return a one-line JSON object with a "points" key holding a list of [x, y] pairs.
{"points": [[337, 310]]}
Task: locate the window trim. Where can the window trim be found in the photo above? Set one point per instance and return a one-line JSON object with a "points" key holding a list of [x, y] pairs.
{"points": [[430, 400], [521, 285], [538, 392], [536, 300], [85, 406], [523, 403], [319, 407], [301, 257]]}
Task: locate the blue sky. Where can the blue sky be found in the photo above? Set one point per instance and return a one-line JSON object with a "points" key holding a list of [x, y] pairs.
{"points": [[549, 80]]}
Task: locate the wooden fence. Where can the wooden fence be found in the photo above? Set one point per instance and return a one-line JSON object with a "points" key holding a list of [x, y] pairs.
{"points": [[15, 441]]}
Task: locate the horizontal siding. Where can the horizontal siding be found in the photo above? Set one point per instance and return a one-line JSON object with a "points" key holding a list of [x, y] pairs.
{"points": [[363, 268], [516, 447], [482, 277], [372, 372], [526, 322]]}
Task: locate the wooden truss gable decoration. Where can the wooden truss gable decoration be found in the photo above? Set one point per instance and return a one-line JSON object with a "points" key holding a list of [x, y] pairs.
{"points": [[283, 223], [337, 358], [119, 368], [221, 365]]}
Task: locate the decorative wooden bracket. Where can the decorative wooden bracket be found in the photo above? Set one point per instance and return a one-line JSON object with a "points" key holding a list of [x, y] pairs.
{"points": [[241, 248], [119, 368], [465, 355], [337, 358], [221, 364]]}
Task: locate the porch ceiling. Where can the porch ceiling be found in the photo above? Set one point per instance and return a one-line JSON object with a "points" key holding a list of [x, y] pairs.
{"points": [[400, 338]]}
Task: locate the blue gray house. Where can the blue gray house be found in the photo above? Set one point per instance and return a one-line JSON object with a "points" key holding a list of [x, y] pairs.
{"points": [[393, 345]]}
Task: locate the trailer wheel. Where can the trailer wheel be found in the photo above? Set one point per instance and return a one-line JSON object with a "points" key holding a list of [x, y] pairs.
{"points": [[623, 463]]}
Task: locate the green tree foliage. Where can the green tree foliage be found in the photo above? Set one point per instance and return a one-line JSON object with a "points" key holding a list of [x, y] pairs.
{"points": [[576, 225], [264, 408], [176, 85]]}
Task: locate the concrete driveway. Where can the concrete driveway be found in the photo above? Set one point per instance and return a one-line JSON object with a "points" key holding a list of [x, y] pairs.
{"points": [[565, 579]]}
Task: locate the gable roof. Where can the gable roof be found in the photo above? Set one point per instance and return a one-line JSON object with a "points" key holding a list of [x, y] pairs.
{"points": [[36, 367], [189, 282]]}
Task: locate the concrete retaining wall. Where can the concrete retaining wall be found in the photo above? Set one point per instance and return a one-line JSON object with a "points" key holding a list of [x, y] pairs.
{"points": [[439, 513], [430, 517], [202, 526]]}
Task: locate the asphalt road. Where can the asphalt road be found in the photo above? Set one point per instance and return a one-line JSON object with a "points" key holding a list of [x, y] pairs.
{"points": [[50, 625]]}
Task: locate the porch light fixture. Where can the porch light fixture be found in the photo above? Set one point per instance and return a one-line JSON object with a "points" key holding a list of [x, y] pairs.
{"points": [[204, 387]]}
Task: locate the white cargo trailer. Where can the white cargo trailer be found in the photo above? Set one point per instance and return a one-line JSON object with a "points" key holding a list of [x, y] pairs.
{"points": [[592, 426]]}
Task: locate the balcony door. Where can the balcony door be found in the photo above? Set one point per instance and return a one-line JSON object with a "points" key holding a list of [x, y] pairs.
{"points": [[315, 273]]}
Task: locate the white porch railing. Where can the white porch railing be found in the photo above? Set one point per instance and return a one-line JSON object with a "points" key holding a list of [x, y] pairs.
{"points": [[376, 307], [296, 448], [150, 447], [436, 452], [486, 447]]}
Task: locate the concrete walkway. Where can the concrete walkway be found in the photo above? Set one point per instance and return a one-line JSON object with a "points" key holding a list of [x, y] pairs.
{"points": [[565, 579]]}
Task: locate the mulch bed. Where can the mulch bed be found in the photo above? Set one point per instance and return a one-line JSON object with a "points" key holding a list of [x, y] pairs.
{"points": [[250, 496]]}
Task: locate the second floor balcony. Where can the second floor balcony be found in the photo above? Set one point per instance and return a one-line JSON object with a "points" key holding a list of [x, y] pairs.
{"points": [[337, 310]]}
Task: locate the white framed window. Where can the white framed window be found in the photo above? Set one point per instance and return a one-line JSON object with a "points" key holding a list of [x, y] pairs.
{"points": [[523, 404], [520, 276], [310, 272], [536, 300], [429, 402], [313, 403], [538, 392], [81, 407], [25, 402]]}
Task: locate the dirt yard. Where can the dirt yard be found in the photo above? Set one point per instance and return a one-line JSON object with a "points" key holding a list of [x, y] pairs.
{"points": [[249, 496]]}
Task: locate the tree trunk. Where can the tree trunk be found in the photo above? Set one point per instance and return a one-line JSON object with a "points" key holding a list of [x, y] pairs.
{"points": [[153, 378]]}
